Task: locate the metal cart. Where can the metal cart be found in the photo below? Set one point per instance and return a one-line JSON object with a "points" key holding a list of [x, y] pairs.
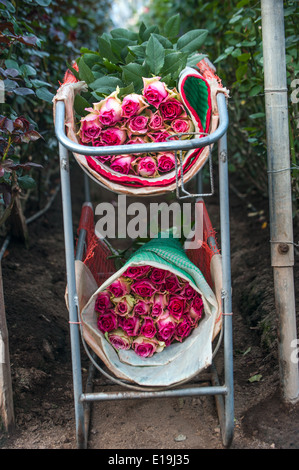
{"points": [[223, 392]]}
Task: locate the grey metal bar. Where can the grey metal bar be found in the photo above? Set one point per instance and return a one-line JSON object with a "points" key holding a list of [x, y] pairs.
{"points": [[72, 293], [228, 424], [106, 396], [141, 148]]}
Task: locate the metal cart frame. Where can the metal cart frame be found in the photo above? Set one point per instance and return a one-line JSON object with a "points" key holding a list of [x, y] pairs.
{"points": [[224, 393]]}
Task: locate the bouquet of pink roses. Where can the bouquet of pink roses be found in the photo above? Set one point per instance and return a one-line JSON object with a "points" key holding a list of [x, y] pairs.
{"points": [[152, 116], [147, 309], [141, 88]]}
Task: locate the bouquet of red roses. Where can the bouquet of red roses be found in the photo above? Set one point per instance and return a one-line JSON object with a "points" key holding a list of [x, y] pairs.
{"points": [[147, 309]]}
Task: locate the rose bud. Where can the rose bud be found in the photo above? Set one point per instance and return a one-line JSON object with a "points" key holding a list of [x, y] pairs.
{"points": [[161, 136], [148, 328], [119, 288], [113, 136], [166, 326], [124, 305], [142, 308], [119, 339], [176, 306], [107, 322], [196, 307], [131, 325], [144, 288], [159, 303], [109, 110], [121, 163], [182, 126], [156, 121], [154, 91], [133, 104], [135, 272], [183, 328], [166, 162], [171, 109], [146, 347], [172, 284], [103, 302], [145, 166], [90, 128], [138, 125]]}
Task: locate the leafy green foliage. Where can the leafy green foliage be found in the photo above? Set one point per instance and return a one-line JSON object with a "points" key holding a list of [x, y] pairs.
{"points": [[37, 40], [234, 45], [124, 57]]}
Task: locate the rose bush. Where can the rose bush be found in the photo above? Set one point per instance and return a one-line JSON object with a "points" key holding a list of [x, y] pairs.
{"points": [[147, 309]]}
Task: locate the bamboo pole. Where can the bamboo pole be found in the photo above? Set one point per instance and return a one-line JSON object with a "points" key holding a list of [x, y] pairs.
{"points": [[280, 192], [7, 419]]}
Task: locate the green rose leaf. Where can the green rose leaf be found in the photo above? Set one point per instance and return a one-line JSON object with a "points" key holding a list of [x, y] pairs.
{"points": [[44, 94], [108, 82], [105, 50], [126, 90], [192, 41], [174, 63], [26, 182], [80, 104], [172, 26], [85, 72], [155, 54], [133, 73], [124, 33]]}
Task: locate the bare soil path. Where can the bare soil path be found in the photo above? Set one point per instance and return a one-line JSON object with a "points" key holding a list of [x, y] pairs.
{"points": [[34, 286]]}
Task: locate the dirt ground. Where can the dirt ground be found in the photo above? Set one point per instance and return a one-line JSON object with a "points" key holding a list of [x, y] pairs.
{"points": [[34, 285]]}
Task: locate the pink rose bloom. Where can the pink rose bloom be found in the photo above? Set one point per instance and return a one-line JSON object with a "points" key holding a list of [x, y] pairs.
{"points": [[138, 124], [124, 305], [166, 326], [196, 307], [157, 275], [131, 325], [160, 136], [104, 158], [137, 140], [183, 328], [156, 121], [121, 163], [107, 322], [133, 104], [188, 292], [166, 162], [145, 166], [154, 91], [182, 125], [144, 288], [119, 339], [90, 128], [103, 302], [148, 328], [146, 347], [172, 284], [109, 110], [159, 303], [135, 272], [119, 288], [171, 109], [142, 308], [176, 306], [113, 136]]}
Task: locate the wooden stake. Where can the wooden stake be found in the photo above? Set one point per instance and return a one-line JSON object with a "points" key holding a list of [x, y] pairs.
{"points": [[6, 396]]}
